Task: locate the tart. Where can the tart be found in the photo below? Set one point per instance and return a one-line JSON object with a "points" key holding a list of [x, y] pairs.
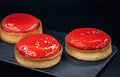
{"points": [[38, 51], [89, 44], [17, 25]]}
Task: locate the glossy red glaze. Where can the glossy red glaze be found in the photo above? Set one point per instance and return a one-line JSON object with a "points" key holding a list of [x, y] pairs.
{"points": [[87, 38], [20, 23], [38, 46]]}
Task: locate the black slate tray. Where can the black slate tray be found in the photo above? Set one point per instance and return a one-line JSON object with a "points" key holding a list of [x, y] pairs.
{"points": [[68, 66]]}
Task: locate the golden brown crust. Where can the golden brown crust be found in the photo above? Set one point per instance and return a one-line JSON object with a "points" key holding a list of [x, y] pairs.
{"points": [[89, 55], [38, 63], [15, 37]]}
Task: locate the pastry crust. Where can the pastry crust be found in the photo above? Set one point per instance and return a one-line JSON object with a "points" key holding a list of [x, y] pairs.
{"points": [[89, 55], [38, 63], [15, 37]]}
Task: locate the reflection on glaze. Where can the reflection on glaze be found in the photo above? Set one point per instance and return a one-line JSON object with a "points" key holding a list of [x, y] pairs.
{"points": [[87, 38], [27, 51], [38, 46], [11, 27]]}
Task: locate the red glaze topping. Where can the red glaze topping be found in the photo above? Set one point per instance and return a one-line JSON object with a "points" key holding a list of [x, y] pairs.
{"points": [[20, 23], [87, 38], [38, 46]]}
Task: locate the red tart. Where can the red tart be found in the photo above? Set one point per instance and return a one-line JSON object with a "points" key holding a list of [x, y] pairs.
{"points": [[88, 44], [17, 25], [38, 51]]}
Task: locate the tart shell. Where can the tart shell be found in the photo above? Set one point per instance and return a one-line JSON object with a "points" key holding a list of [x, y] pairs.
{"points": [[89, 55], [38, 63], [15, 37]]}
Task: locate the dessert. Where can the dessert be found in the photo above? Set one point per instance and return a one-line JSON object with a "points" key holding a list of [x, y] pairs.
{"points": [[38, 51], [17, 25], [88, 44]]}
